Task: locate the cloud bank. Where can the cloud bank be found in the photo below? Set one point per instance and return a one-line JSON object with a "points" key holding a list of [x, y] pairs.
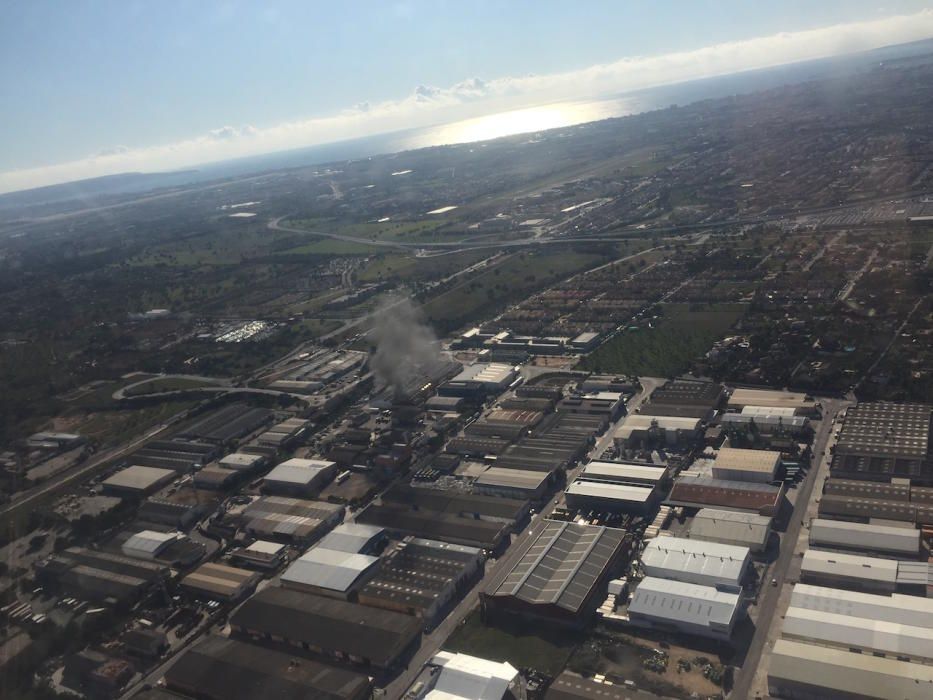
{"points": [[428, 105]]}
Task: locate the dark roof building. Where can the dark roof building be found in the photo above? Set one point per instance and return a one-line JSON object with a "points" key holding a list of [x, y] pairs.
{"points": [[705, 492], [218, 668], [346, 631], [558, 573]]}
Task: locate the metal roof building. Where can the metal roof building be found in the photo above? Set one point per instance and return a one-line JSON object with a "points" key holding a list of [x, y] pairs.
{"points": [[584, 494], [771, 399], [624, 472], [329, 572], [701, 491], [737, 464], [674, 428], [558, 572], [279, 517], [685, 607], [220, 581], [138, 480], [465, 677], [492, 375], [352, 537], [848, 570], [865, 537], [300, 476], [147, 544], [811, 672], [695, 561], [898, 608], [731, 527], [241, 461], [517, 483]]}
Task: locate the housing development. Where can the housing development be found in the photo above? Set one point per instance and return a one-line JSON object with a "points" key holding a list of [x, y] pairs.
{"points": [[637, 409]]}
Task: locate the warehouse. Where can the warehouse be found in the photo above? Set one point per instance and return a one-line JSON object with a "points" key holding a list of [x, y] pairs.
{"points": [[558, 574], [760, 466], [513, 483], [263, 555], [288, 519], [624, 473], [100, 576], [586, 495], [148, 544], [865, 537], [606, 404], [505, 510], [848, 571], [220, 582], [769, 398], [299, 477], [673, 431], [452, 676], [879, 441], [732, 528], [491, 377], [689, 392], [178, 455], [137, 480], [687, 608], [329, 572], [796, 426], [866, 509], [215, 478], [401, 519], [354, 538], [228, 423], [810, 672], [870, 623], [479, 446], [700, 492], [422, 577], [242, 461], [217, 668], [347, 632], [712, 564]]}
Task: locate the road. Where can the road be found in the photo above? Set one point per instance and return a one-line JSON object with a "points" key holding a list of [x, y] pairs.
{"points": [[771, 594], [434, 641], [121, 392]]}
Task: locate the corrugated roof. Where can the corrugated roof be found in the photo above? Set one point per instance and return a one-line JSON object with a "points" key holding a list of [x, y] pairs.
{"points": [[350, 537], [299, 471], [139, 478], [899, 608], [619, 471], [847, 672], [329, 569], [617, 492], [715, 524], [739, 459], [695, 561], [562, 565], [865, 536], [837, 564], [682, 602], [470, 677]]}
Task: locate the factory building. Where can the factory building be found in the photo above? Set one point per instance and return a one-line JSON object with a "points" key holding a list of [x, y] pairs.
{"points": [[735, 464], [346, 632], [624, 473], [731, 528], [685, 608], [864, 537], [607, 404], [701, 492], [848, 571], [513, 483], [453, 676], [292, 520], [491, 377], [355, 538], [769, 398], [586, 495], [712, 564], [868, 500], [801, 671], [795, 426], [329, 572], [242, 462], [218, 668], [422, 577], [148, 544], [880, 441], [266, 556], [299, 477], [137, 481], [220, 582], [100, 576], [215, 478], [561, 568], [673, 431]]}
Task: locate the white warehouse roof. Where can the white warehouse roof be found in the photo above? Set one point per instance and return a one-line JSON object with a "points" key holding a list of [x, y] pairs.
{"points": [[871, 635], [470, 678], [240, 460], [350, 537], [852, 566], [850, 673], [148, 543], [491, 373], [695, 561], [328, 569], [684, 602], [760, 411], [618, 471], [897, 607], [616, 492], [299, 471], [862, 536]]}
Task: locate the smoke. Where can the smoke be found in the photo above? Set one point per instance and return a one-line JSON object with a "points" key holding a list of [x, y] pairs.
{"points": [[406, 349]]}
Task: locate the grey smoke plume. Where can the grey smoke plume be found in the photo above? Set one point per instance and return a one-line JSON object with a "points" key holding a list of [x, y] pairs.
{"points": [[406, 349]]}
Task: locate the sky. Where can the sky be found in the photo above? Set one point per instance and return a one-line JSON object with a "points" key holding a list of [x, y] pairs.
{"points": [[96, 88]]}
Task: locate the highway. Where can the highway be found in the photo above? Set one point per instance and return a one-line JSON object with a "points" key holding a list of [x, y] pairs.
{"points": [[770, 594]]}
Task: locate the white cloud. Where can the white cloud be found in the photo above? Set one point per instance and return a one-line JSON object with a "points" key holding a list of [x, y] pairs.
{"points": [[474, 97]]}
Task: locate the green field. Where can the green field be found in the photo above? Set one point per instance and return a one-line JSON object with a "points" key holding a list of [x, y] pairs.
{"points": [[155, 386], [666, 350], [408, 268], [521, 645]]}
